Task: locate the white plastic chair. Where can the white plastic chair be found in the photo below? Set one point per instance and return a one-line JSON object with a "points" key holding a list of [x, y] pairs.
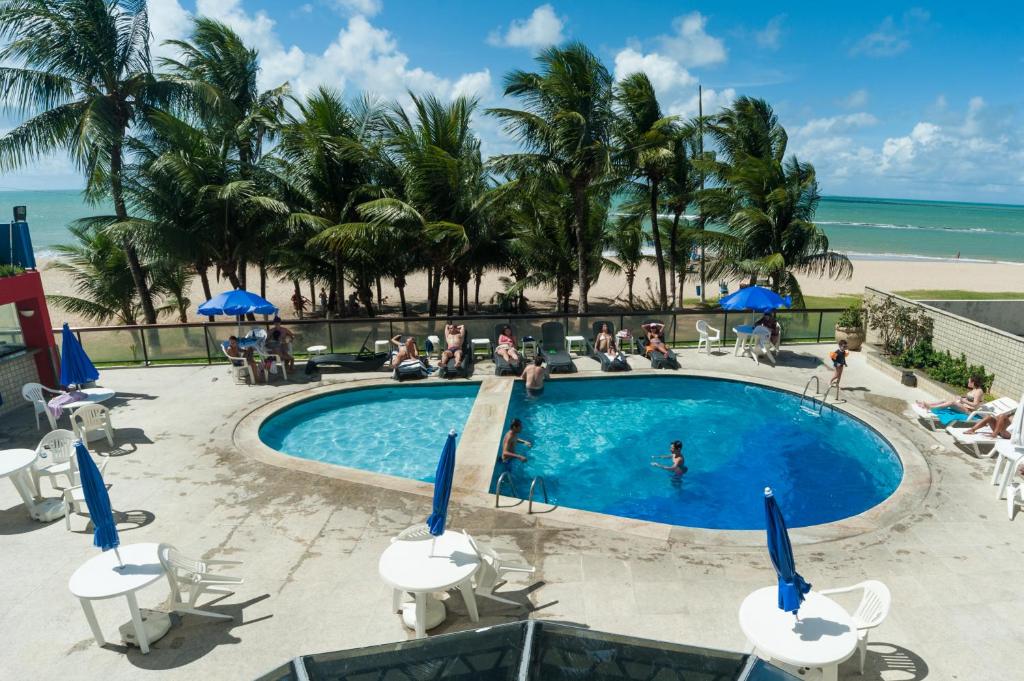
{"points": [[74, 497], [191, 576], [275, 363], [761, 346], [872, 610], [33, 392], [493, 567], [708, 335], [778, 344], [89, 418], [239, 367], [417, 532], [55, 457]]}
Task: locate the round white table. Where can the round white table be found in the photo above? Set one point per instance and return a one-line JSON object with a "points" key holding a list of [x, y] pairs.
{"points": [[316, 349], [744, 335], [101, 577], [15, 464], [823, 637], [92, 396], [425, 566]]}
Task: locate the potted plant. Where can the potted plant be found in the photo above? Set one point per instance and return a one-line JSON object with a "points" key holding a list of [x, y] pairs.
{"points": [[850, 327]]}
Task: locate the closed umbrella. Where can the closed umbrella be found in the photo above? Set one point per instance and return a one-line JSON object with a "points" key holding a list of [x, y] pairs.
{"points": [[237, 303], [75, 366], [754, 298], [96, 498], [442, 489], [792, 586]]}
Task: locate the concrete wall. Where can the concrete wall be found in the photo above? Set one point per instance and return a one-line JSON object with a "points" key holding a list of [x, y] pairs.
{"points": [[1006, 315], [15, 373], [1001, 353]]}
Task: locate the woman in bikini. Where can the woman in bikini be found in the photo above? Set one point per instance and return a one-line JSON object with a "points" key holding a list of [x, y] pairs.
{"points": [[507, 345], [655, 338], [966, 403], [605, 342]]}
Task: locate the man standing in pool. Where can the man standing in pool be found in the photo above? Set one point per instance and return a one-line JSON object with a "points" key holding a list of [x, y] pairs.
{"points": [[534, 375], [508, 445], [678, 466]]}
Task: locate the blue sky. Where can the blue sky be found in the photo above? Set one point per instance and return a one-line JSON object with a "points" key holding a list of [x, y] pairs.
{"points": [[912, 101]]}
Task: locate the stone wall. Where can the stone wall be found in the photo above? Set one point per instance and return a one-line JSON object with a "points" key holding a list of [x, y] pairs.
{"points": [[1001, 353], [15, 373]]}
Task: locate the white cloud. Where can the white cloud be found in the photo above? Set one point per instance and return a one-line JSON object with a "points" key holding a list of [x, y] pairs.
{"points": [[891, 38], [770, 36], [691, 45], [713, 100], [664, 72], [168, 20], [857, 99], [836, 124], [542, 28], [476, 84], [365, 7]]}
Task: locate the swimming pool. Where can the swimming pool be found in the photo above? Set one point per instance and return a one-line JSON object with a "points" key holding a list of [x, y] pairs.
{"points": [[594, 438], [395, 430]]}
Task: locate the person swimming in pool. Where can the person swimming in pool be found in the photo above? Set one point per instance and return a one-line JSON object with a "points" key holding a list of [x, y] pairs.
{"points": [[534, 375], [508, 445], [678, 466]]}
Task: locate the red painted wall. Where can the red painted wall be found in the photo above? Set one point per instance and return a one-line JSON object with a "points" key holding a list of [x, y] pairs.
{"points": [[26, 291]]}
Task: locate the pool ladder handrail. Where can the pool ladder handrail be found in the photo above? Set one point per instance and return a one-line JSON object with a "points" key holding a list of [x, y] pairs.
{"points": [[505, 476], [543, 488], [817, 389], [824, 398]]}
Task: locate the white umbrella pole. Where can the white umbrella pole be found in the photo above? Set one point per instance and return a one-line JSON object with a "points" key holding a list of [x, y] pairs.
{"points": [[120, 563]]}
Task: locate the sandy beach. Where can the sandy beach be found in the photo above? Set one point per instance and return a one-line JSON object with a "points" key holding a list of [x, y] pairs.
{"points": [[610, 290]]}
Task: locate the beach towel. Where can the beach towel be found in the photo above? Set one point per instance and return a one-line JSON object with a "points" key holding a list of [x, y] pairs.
{"points": [[56, 405]]}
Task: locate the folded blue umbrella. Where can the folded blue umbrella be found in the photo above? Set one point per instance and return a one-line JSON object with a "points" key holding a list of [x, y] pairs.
{"points": [[754, 298], [96, 498], [442, 487], [792, 586], [236, 303], [75, 366]]}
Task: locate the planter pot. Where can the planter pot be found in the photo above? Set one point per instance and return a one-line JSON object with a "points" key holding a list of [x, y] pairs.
{"points": [[909, 379], [853, 335]]}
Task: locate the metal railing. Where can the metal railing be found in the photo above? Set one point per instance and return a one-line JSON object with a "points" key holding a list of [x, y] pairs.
{"points": [[543, 489], [506, 476], [153, 344]]}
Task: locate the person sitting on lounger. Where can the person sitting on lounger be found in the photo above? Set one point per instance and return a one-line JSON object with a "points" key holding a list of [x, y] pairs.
{"points": [[769, 322], [605, 342], [279, 343], [234, 350], [534, 375], [507, 345], [655, 338], [406, 350], [966, 403], [678, 466], [999, 426], [454, 336], [508, 445]]}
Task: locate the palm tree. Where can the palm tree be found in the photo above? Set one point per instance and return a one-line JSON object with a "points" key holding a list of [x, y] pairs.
{"points": [[647, 140], [83, 67], [565, 128], [679, 187], [626, 239]]}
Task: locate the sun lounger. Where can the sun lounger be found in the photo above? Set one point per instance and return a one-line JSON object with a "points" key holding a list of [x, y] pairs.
{"points": [[616, 363], [347, 362], [411, 369], [552, 348], [502, 367], [934, 419], [463, 369], [982, 443], [659, 360]]}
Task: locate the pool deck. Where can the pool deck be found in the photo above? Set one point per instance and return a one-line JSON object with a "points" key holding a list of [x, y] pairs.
{"points": [[310, 543]]}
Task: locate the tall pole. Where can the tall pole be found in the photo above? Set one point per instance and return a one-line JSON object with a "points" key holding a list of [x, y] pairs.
{"points": [[700, 215]]}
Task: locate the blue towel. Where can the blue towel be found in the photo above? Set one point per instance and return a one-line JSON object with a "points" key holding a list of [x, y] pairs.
{"points": [[948, 415]]}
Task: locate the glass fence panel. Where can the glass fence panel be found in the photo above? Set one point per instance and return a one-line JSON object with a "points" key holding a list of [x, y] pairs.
{"points": [[349, 337], [175, 344], [828, 326], [798, 326], [308, 335], [115, 345]]}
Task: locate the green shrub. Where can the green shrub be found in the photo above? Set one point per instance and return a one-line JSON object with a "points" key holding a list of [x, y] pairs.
{"points": [[10, 270], [942, 366], [900, 327], [851, 318]]}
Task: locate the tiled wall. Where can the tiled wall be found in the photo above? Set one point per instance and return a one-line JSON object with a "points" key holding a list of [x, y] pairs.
{"points": [[1001, 353], [14, 374]]}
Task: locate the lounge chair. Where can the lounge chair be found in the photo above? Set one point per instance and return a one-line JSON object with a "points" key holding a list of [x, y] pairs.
{"points": [[552, 348], [463, 369], [659, 360], [369, 361], [619, 363], [411, 369], [932, 420], [981, 443], [502, 367]]}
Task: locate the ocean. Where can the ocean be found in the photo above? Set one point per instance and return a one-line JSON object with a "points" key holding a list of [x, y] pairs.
{"points": [[861, 227]]}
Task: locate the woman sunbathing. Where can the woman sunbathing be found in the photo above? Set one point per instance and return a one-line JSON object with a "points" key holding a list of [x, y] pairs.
{"points": [[405, 351], [507, 345], [605, 342], [966, 403], [999, 426], [655, 338]]}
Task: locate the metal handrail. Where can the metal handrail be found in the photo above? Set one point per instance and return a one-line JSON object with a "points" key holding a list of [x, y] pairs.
{"points": [[506, 475], [824, 398], [543, 488], [817, 389]]}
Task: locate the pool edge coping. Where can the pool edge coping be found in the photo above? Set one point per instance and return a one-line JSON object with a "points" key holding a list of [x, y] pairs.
{"points": [[909, 494]]}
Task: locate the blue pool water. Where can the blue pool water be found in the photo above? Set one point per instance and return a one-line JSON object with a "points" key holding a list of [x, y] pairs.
{"points": [[593, 441], [395, 430]]}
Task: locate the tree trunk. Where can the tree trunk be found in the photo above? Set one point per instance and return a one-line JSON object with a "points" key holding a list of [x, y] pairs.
{"points": [[673, 245], [435, 290], [581, 210], [263, 280], [243, 272], [380, 299], [476, 289], [339, 286], [630, 277], [204, 278], [659, 255], [121, 211], [451, 290], [229, 271], [400, 285], [366, 296]]}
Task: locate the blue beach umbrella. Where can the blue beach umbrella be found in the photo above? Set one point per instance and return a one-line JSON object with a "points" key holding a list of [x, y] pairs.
{"points": [[96, 498], [236, 303], [75, 366], [754, 298], [792, 586], [443, 487]]}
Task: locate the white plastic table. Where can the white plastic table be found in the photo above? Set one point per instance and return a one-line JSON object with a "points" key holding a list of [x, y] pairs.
{"points": [[316, 349], [823, 637], [100, 578], [426, 566], [92, 396], [571, 341], [744, 336], [15, 464]]}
